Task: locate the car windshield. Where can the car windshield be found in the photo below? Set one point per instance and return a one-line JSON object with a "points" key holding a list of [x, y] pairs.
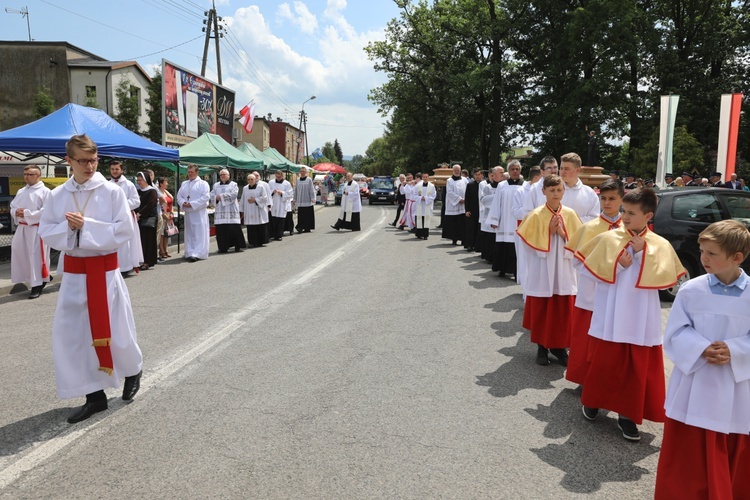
{"points": [[381, 185]]}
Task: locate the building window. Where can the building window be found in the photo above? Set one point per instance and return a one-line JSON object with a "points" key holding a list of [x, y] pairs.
{"points": [[90, 91], [135, 94]]}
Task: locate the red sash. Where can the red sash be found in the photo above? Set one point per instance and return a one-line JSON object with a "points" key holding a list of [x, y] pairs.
{"points": [[45, 271], [95, 269]]}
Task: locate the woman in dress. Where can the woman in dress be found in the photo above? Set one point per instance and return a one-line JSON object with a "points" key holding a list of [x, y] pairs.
{"points": [[166, 214]]}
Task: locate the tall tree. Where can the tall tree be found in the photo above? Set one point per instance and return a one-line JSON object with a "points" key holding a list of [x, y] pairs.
{"points": [[154, 125], [337, 151], [128, 109]]}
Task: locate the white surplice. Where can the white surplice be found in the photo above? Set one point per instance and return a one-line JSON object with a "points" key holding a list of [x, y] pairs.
{"points": [[281, 203], [501, 214], [255, 212], [197, 236], [29, 256], [517, 209], [107, 225], [130, 254], [224, 198], [407, 217], [423, 207], [583, 200], [486, 197], [550, 273], [455, 191], [714, 397], [350, 201]]}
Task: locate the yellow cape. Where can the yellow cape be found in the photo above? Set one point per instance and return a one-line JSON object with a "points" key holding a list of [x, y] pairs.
{"points": [[660, 266], [534, 229], [589, 231]]}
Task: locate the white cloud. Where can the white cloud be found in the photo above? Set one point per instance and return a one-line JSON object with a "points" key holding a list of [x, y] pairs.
{"points": [[302, 17]]}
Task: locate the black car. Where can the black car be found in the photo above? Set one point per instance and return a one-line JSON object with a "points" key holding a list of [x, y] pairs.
{"points": [[382, 190], [340, 193], [683, 213]]}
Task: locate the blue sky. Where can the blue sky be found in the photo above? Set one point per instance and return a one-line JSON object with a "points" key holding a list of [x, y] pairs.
{"points": [[276, 53]]}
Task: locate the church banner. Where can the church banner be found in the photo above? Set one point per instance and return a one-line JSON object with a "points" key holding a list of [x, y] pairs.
{"points": [[729, 128], [193, 106], [666, 136]]}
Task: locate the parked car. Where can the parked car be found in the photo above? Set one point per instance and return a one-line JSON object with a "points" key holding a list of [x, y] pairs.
{"points": [[683, 213], [382, 190], [339, 193]]}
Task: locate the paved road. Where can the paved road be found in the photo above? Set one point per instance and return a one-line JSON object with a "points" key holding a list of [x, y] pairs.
{"points": [[330, 365]]}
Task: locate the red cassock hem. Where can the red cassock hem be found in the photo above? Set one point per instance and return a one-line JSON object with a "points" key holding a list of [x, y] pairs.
{"points": [[625, 378], [579, 346], [697, 463], [548, 318]]}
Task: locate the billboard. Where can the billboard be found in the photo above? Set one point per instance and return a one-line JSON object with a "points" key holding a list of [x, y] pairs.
{"points": [[193, 106]]}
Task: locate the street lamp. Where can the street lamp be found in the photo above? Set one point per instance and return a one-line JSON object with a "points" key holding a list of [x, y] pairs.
{"points": [[24, 13], [302, 116]]}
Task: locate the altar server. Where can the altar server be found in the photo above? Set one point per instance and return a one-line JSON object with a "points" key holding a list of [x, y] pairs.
{"points": [[29, 256], [130, 254], [550, 290], [424, 199], [193, 198], [486, 197], [281, 196], [705, 452], [407, 217], [93, 333], [254, 205], [304, 200], [504, 223], [626, 369], [351, 206], [454, 223]]}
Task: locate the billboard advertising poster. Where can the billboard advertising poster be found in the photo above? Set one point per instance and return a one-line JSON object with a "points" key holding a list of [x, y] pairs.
{"points": [[193, 106]]}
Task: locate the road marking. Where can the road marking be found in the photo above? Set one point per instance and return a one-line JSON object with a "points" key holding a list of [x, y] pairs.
{"points": [[260, 308]]}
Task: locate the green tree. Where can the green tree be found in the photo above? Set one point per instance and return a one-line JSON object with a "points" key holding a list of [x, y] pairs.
{"points": [[687, 154], [337, 151], [153, 101], [128, 107], [43, 103], [329, 152]]}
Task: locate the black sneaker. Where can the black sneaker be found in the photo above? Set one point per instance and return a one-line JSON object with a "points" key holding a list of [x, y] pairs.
{"points": [[590, 413], [561, 355], [629, 429], [541, 356]]}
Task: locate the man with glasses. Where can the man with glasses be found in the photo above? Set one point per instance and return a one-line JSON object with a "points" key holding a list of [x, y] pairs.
{"points": [[93, 333], [193, 198], [29, 259]]}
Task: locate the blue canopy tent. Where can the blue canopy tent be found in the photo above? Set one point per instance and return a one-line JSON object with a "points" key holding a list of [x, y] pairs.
{"points": [[49, 134]]}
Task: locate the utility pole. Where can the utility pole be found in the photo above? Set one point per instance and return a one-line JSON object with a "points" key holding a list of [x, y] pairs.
{"points": [[212, 24]]}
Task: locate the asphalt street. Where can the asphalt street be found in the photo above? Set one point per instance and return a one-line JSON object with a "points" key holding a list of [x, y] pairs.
{"points": [[328, 365]]}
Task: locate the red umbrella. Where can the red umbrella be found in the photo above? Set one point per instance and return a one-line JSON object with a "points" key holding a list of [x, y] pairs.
{"points": [[329, 167]]}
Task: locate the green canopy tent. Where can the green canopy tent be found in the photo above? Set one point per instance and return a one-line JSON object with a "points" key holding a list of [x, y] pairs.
{"points": [[269, 163], [283, 163], [212, 150], [183, 168]]}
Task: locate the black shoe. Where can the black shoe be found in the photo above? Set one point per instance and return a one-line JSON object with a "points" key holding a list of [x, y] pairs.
{"points": [[125, 274], [590, 413], [561, 355], [87, 411], [501, 274], [36, 291], [277, 239], [132, 384], [439, 227], [238, 250], [541, 356], [221, 251], [392, 224], [336, 228], [629, 429], [191, 259]]}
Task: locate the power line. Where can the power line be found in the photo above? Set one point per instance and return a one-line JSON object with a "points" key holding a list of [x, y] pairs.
{"points": [[172, 13], [160, 51], [182, 8]]}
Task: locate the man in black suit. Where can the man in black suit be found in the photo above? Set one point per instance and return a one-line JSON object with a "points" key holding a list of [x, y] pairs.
{"points": [[733, 183], [715, 180], [669, 180]]}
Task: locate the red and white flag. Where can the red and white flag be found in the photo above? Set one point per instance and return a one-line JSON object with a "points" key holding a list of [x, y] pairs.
{"points": [[247, 117]]}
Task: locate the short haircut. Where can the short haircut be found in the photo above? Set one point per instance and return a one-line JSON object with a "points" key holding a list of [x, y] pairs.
{"points": [[223, 170], [535, 171], [731, 235], [280, 172], [82, 142], [514, 163], [161, 180], [477, 169], [115, 162], [552, 180], [571, 158], [546, 160], [644, 197], [613, 185], [465, 172], [192, 167], [418, 174], [32, 167]]}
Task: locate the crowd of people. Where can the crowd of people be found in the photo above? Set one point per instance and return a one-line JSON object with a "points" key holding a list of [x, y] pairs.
{"points": [[590, 270], [587, 263]]}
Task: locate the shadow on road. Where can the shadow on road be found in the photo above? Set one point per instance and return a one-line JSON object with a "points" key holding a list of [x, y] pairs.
{"points": [[18, 436], [594, 452]]}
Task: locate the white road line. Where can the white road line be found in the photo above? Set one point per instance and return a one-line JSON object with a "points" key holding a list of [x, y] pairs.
{"points": [[258, 310]]}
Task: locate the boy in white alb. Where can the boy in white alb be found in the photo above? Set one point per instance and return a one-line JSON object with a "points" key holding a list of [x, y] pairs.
{"points": [[705, 452]]}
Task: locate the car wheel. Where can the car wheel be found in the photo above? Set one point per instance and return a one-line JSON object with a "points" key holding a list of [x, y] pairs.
{"points": [[669, 294]]}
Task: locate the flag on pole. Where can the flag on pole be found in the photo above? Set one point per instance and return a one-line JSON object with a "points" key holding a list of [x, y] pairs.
{"points": [[666, 136], [247, 117], [729, 127]]}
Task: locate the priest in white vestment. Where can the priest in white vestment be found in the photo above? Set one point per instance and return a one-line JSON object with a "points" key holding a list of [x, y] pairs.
{"points": [[454, 223], [193, 198], [29, 256], [281, 198], [351, 206], [224, 197], [501, 219], [304, 200], [130, 254], [263, 184], [424, 199], [254, 204], [93, 333], [486, 197]]}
